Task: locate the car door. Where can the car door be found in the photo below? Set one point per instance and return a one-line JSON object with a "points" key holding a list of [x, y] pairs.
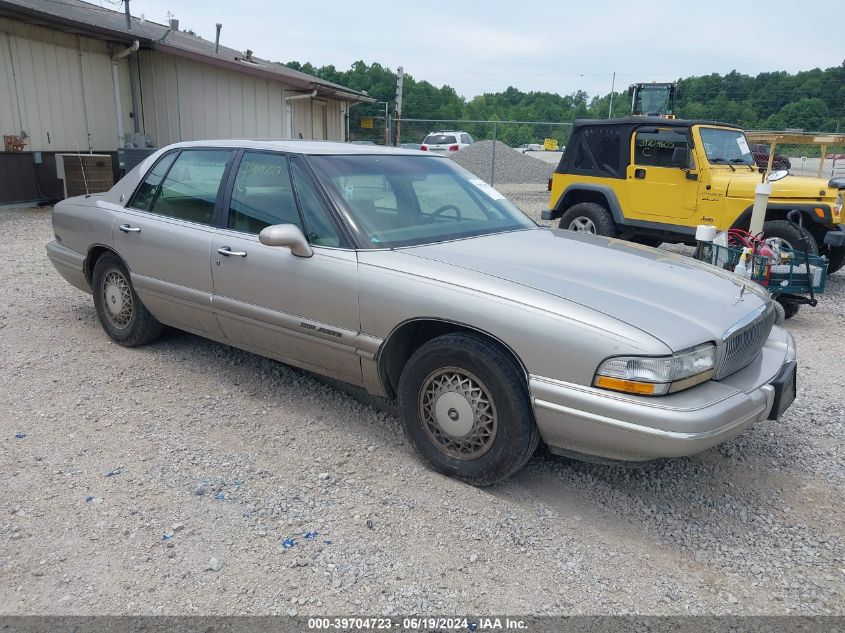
{"points": [[301, 310], [657, 176], [164, 235]]}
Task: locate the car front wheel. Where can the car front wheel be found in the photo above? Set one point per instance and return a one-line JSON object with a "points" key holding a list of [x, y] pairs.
{"points": [[466, 410], [121, 313]]}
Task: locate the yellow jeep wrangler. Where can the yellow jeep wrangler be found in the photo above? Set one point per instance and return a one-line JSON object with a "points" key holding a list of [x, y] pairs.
{"points": [[652, 180]]}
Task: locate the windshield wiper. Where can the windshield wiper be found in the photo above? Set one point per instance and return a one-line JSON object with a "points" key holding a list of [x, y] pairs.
{"points": [[717, 159], [739, 161]]}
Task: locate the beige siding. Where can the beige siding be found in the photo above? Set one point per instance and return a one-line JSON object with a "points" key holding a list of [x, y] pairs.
{"points": [[185, 100], [42, 90], [336, 124], [58, 88]]}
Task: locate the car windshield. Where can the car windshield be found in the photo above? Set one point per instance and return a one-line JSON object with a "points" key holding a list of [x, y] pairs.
{"points": [[409, 200], [726, 147], [439, 139]]}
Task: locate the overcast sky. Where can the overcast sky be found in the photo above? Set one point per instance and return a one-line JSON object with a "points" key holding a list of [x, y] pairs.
{"points": [[550, 45]]}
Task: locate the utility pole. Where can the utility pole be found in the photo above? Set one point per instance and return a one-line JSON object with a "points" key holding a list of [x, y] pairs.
{"points": [[612, 88], [400, 78], [128, 15]]}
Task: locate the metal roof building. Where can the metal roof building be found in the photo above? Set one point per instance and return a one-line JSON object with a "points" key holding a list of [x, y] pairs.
{"points": [[74, 74]]}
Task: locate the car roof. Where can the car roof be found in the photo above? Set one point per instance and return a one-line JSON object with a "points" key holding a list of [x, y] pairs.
{"points": [[299, 146]]}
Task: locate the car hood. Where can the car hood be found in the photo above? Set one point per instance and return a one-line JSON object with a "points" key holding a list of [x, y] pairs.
{"points": [[674, 298], [742, 185]]}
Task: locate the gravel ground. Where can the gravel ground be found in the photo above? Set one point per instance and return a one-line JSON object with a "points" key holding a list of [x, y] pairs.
{"points": [[131, 475], [511, 166]]}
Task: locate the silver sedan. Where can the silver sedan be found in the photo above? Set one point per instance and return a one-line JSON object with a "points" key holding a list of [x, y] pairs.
{"points": [[401, 273]]}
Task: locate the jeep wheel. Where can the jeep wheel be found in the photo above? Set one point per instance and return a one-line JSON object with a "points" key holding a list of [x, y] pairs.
{"points": [[836, 258], [787, 235], [588, 217]]}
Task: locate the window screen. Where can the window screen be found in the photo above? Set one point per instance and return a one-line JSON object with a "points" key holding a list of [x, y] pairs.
{"points": [[661, 148]]}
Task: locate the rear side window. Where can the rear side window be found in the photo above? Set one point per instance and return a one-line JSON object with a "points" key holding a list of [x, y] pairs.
{"points": [[661, 148], [598, 152], [263, 194], [147, 192], [465, 139], [439, 139], [189, 191]]}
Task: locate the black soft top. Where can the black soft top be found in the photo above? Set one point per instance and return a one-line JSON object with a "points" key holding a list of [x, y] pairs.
{"points": [[601, 147]]}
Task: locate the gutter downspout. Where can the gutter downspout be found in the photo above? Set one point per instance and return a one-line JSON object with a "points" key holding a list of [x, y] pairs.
{"points": [[289, 110], [116, 81]]}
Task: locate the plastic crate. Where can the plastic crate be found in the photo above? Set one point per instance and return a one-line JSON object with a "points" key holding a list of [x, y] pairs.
{"points": [[789, 275]]}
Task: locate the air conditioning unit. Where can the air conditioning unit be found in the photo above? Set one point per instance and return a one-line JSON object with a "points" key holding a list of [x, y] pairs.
{"points": [[84, 173], [130, 157]]}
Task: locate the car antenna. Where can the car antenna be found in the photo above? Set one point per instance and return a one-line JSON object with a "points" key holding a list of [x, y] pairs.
{"points": [[81, 166]]}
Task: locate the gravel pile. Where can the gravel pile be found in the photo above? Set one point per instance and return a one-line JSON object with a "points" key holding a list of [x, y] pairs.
{"points": [[187, 477], [511, 166]]}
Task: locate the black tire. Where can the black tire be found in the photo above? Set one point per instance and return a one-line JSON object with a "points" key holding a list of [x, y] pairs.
{"points": [[586, 214], [112, 284], [473, 359], [791, 235], [836, 258], [780, 312]]}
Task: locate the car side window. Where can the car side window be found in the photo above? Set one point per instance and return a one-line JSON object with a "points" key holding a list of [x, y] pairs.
{"points": [[661, 148], [465, 139], [320, 229], [149, 188], [263, 194], [189, 191]]}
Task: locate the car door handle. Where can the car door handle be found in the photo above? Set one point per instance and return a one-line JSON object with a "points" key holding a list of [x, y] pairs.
{"points": [[129, 229], [225, 250]]}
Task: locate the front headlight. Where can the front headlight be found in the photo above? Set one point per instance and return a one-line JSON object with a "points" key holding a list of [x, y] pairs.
{"points": [[657, 375]]}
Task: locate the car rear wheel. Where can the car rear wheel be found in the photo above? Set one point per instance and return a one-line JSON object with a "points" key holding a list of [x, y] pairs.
{"points": [[788, 235], [120, 311], [466, 410], [588, 217]]}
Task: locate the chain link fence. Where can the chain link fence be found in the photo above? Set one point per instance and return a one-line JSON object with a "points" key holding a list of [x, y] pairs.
{"points": [[526, 152], [805, 159], [502, 152]]}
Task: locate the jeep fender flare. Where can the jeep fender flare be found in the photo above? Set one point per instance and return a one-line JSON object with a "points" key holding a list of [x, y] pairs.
{"points": [[610, 199], [779, 211]]}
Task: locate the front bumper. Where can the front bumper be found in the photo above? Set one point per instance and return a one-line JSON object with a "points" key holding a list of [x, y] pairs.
{"points": [[578, 419]]}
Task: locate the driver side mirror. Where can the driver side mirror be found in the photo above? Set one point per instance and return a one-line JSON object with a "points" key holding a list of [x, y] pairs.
{"points": [[287, 235]]}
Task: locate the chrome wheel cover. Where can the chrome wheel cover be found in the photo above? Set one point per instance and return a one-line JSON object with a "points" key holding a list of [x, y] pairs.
{"points": [[117, 298], [457, 413], [582, 224]]}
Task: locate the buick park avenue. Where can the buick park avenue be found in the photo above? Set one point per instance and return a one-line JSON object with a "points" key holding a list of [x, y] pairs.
{"points": [[401, 273]]}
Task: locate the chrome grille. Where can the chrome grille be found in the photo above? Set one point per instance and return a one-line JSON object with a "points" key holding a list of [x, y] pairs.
{"points": [[742, 345]]}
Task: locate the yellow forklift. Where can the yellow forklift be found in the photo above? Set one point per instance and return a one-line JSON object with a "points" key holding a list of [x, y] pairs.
{"points": [[654, 99]]}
